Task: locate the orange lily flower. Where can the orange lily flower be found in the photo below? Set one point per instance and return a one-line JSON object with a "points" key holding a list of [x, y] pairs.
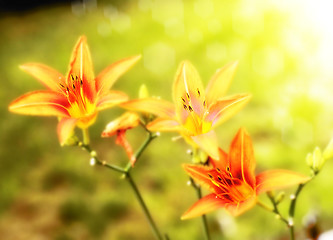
{"points": [[232, 181], [76, 98], [195, 112], [119, 127]]}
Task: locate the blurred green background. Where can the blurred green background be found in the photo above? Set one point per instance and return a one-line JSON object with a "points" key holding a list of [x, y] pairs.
{"points": [[285, 58]]}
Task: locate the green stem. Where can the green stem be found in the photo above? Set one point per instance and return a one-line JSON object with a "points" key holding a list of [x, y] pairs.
{"points": [[204, 218], [143, 206], [86, 137], [292, 208], [126, 172], [276, 210], [144, 145]]}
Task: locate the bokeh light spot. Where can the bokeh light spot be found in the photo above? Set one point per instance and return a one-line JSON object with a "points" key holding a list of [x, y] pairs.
{"points": [[159, 58]]}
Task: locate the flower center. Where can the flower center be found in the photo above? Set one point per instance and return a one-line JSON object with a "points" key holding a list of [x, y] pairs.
{"points": [[195, 110], [79, 105], [229, 188]]}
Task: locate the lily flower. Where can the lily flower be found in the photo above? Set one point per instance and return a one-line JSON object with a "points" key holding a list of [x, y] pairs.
{"points": [[77, 97], [195, 111], [119, 127], [232, 180]]}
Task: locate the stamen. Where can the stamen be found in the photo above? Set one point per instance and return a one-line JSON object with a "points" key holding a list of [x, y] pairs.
{"points": [[81, 82], [188, 95], [198, 92], [183, 100], [72, 77], [217, 169], [73, 86], [185, 107], [210, 175], [61, 85], [219, 178], [204, 103], [190, 108]]}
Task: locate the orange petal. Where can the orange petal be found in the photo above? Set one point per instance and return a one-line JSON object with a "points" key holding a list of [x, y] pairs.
{"points": [[108, 76], [46, 75], [225, 108], [236, 209], [164, 125], [277, 179], [200, 174], [154, 106], [188, 91], [65, 129], [40, 103], [222, 162], [220, 82], [203, 206], [208, 143], [111, 99], [241, 158], [81, 66]]}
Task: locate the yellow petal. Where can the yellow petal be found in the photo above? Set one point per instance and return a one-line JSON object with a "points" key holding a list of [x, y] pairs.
{"points": [[204, 205], [220, 82], [46, 75], [108, 76], [40, 103], [65, 129], [111, 99], [188, 92], [277, 179], [164, 125], [208, 143], [81, 66], [154, 106], [225, 108]]}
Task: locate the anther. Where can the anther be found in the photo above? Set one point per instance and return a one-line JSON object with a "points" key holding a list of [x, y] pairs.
{"points": [[190, 108], [227, 168], [198, 92], [72, 77], [188, 95], [183, 100], [210, 175], [81, 82], [185, 107], [219, 178], [217, 169], [204, 103], [73, 86]]}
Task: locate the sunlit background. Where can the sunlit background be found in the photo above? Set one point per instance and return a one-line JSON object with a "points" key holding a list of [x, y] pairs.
{"points": [[285, 53]]}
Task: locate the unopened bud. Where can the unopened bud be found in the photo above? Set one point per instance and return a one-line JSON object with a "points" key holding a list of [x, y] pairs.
{"points": [[328, 152], [143, 91], [280, 197], [317, 159], [309, 160]]}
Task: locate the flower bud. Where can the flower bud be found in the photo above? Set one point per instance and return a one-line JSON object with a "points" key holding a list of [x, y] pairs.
{"points": [[328, 152], [143, 91]]}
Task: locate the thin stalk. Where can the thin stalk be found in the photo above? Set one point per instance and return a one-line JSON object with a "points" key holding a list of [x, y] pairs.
{"points": [[144, 145], [292, 209], [204, 218], [276, 210], [86, 137], [143, 206]]}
